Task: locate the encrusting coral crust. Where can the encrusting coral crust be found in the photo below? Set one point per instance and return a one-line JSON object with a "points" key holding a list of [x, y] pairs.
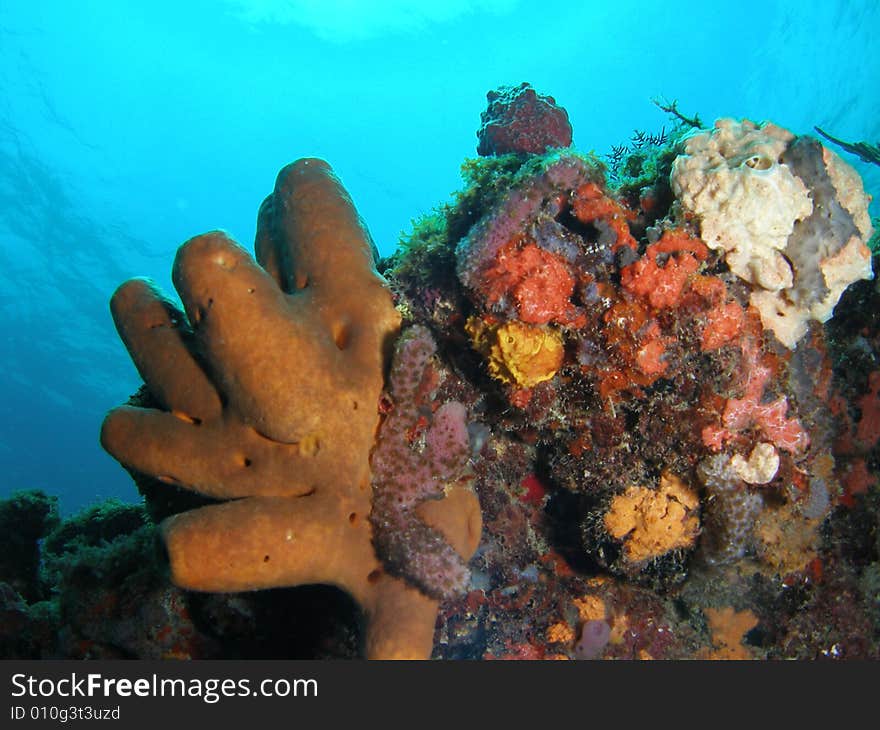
{"points": [[269, 388], [421, 457]]}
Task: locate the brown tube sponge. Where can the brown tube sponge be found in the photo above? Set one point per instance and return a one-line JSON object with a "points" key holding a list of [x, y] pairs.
{"points": [[268, 387]]}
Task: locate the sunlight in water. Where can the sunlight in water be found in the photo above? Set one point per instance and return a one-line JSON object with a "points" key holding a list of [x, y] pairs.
{"points": [[347, 20]]}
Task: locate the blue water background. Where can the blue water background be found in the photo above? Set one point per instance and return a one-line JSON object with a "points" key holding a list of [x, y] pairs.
{"points": [[128, 127]]}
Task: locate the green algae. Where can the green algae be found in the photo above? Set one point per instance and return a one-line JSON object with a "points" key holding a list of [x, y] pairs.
{"points": [[429, 247]]}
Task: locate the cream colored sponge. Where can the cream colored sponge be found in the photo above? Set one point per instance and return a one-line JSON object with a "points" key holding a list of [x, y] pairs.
{"points": [[791, 217]]}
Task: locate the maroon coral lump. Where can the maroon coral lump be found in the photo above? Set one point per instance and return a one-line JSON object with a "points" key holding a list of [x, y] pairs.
{"points": [[520, 120]]}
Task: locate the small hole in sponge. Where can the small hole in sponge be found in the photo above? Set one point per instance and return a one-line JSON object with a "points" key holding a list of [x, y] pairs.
{"points": [[265, 558], [341, 335], [758, 162], [352, 518], [246, 461], [374, 576], [194, 420]]}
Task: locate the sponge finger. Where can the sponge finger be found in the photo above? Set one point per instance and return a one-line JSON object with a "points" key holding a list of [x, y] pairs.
{"points": [[268, 249], [247, 335], [157, 337], [198, 457], [319, 239]]}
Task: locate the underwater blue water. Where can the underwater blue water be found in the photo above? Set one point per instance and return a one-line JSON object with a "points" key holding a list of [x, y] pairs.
{"points": [[128, 127]]}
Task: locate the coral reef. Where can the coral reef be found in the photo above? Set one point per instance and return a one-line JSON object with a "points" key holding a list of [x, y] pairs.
{"points": [[672, 464], [25, 518], [566, 422]]}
